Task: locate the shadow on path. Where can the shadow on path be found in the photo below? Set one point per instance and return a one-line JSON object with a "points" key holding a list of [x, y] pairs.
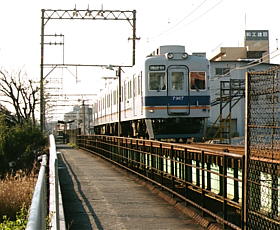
{"points": [[77, 210]]}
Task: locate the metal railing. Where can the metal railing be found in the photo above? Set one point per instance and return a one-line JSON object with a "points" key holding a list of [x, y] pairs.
{"points": [[38, 209], [56, 213], [39, 216], [209, 180]]}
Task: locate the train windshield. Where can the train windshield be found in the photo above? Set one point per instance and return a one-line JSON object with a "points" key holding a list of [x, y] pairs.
{"points": [[157, 81], [197, 80], [177, 80]]}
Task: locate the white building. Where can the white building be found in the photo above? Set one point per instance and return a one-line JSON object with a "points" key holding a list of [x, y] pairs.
{"points": [[224, 71], [227, 81]]}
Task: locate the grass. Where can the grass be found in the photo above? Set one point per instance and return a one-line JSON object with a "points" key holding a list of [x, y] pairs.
{"points": [[16, 192], [73, 145], [19, 224]]}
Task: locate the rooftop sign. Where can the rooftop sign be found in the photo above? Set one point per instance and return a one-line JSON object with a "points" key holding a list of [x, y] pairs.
{"points": [[256, 35]]}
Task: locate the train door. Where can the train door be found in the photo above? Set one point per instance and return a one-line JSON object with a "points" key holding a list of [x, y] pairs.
{"points": [[178, 90]]}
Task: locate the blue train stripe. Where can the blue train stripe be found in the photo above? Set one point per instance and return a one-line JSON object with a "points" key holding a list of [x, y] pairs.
{"points": [[176, 100]]}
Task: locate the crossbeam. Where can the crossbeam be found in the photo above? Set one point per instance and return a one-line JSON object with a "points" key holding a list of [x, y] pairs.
{"points": [[126, 15]]}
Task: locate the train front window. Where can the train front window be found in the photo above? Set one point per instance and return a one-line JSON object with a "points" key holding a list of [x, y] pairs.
{"points": [[157, 81], [177, 80], [197, 80]]}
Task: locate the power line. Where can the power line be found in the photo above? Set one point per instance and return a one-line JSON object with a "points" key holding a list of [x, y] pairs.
{"points": [[195, 19], [250, 64], [180, 21]]}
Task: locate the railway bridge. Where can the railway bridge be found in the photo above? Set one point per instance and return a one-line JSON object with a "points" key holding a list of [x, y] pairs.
{"points": [[219, 186], [111, 182]]}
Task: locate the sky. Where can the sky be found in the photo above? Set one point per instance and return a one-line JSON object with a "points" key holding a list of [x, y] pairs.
{"points": [[199, 25]]}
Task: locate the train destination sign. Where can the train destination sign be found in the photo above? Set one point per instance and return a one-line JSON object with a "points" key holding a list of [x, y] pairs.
{"points": [[157, 67]]}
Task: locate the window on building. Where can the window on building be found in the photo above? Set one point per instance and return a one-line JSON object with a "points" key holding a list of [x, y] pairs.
{"points": [[197, 80], [177, 82], [222, 71], [157, 81], [255, 54]]}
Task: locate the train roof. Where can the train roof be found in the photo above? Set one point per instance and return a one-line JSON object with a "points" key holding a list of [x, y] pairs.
{"points": [[162, 50]]}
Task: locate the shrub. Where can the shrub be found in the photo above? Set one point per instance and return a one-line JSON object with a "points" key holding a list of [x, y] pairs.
{"points": [[20, 144]]}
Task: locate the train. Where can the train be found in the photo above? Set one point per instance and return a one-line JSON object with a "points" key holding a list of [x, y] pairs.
{"points": [[165, 97]]}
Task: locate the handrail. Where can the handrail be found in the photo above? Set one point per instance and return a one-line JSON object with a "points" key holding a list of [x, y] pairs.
{"points": [[53, 184], [56, 213], [38, 209]]}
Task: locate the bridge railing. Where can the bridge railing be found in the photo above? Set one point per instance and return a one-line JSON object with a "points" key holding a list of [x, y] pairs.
{"points": [[209, 180], [39, 215], [56, 213]]}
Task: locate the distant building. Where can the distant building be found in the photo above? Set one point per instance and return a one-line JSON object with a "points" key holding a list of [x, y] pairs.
{"points": [[81, 117]]}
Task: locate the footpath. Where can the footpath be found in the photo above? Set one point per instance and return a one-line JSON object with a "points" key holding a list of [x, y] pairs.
{"points": [[98, 195]]}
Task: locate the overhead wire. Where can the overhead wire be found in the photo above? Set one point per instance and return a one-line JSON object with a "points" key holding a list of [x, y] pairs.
{"points": [[250, 64], [186, 17], [183, 19]]}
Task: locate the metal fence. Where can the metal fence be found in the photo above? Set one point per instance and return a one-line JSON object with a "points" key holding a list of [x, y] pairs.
{"points": [[263, 150], [39, 214], [209, 180]]}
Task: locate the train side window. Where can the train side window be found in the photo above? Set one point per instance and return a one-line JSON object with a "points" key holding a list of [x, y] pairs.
{"points": [[115, 97], [197, 80], [140, 83], [157, 81], [134, 86], [129, 90], [177, 82]]}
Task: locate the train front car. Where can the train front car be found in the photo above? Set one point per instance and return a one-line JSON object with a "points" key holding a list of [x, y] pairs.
{"points": [[176, 100]]}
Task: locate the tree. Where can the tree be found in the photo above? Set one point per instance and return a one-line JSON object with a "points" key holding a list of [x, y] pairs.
{"points": [[21, 93]]}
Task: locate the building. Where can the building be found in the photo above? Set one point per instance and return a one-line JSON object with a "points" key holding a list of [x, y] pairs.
{"points": [[256, 46], [79, 118], [227, 82]]}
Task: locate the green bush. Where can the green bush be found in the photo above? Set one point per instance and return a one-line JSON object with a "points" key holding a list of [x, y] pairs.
{"points": [[18, 224]]}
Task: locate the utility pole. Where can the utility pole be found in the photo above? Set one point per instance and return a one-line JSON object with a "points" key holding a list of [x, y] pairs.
{"points": [[42, 101], [84, 117]]}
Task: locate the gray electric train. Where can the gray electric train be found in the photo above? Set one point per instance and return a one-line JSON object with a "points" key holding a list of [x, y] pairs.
{"points": [[165, 97]]}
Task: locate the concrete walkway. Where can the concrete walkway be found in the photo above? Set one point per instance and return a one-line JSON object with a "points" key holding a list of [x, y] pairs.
{"points": [[98, 195]]}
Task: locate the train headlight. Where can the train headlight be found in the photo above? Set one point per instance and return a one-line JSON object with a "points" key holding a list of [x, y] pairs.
{"points": [[151, 110], [185, 56], [170, 55]]}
